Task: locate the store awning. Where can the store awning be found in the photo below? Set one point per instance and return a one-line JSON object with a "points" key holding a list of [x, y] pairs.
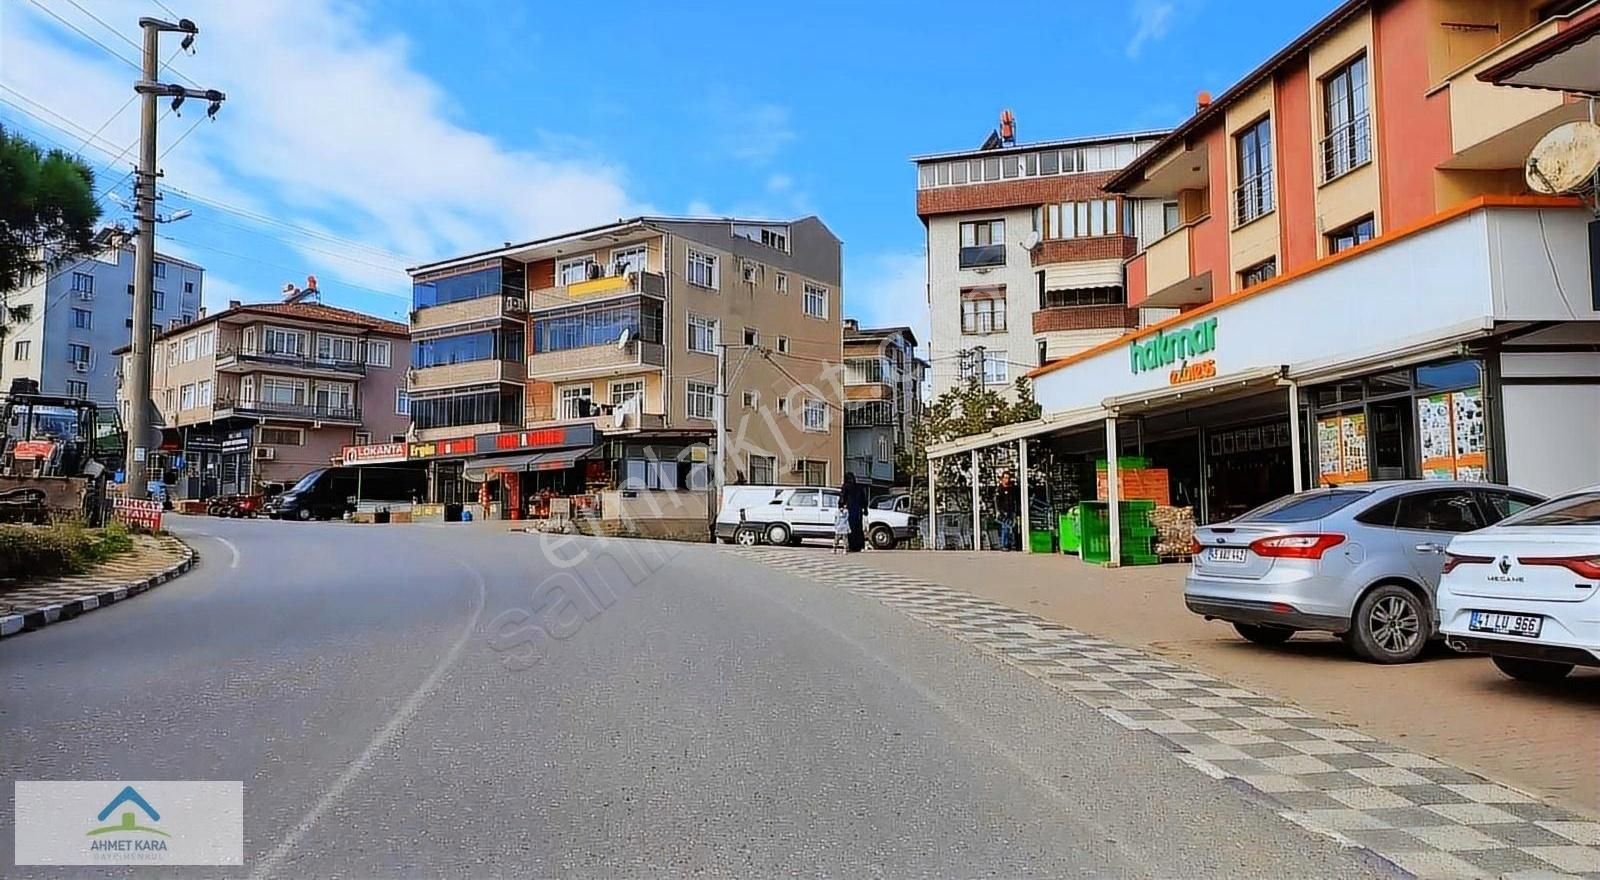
{"points": [[480, 469], [1049, 424], [558, 461], [1438, 344], [1230, 385]]}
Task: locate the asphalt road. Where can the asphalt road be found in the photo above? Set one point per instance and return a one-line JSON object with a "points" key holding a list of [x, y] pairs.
{"points": [[454, 701]]}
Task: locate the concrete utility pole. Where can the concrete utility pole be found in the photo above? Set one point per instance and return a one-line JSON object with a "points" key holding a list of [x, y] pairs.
{"points": [[148, 89], [719, 419]]}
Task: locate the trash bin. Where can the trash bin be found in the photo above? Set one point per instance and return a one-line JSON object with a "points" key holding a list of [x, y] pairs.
{"points": [[381, 515], [453, 511]]}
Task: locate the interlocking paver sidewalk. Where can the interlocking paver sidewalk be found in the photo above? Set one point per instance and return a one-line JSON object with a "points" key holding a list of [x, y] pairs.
{"points": [[1424, 815], [29, 604]]}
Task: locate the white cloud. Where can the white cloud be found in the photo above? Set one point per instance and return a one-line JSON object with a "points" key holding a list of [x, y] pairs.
{"points": [[752, 132], [890, 289], [1152, 19], [778, 183], [327, 125]]}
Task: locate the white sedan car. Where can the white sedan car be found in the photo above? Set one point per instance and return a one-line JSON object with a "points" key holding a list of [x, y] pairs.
{"points": [[1524, 591]]}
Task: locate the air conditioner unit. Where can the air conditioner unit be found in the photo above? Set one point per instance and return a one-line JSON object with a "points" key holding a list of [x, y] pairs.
{"points": [[265, 453]]}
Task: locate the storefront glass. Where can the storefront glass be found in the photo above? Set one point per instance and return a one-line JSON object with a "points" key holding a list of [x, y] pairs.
{"points": [[1426, 422]]}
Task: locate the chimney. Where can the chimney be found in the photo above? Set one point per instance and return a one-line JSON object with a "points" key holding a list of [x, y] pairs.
{"points": [[851, 326], [311, 282], [1202, 100], [201, 313], [233, 303]]}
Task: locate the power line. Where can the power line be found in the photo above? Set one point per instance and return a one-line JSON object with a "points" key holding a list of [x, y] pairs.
{"points": [[167, 9], [340, 281], [129, 40], [174, 145], [303, 230], [767, 355], [85, 34]]}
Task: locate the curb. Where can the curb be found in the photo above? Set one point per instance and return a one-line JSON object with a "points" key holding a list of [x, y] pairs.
{"points": [[15, 624]]}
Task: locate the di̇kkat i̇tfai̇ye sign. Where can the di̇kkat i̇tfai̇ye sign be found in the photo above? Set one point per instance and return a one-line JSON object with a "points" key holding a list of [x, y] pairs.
{"points": [[1450, 427], [137, 513]]}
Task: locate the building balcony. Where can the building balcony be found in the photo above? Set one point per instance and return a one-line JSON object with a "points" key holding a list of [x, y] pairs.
{"points": [[594, 361], [604, 418], [1185, 167], [467, 373], [1163, 276], [1066, 318], [1493, 127], [243, 360], [598, 290], [486, 310], [296, 412], [868, 391]]}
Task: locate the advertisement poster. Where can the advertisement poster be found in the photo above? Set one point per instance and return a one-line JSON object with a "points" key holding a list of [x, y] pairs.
{"points": [[1328, 462], [1342, 449], [1451, 430]]}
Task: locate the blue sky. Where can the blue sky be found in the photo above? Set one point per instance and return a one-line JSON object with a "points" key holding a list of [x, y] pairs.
{"points": [[360, 137]]}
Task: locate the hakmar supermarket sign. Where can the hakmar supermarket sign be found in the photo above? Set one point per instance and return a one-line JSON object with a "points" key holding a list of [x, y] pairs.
{"points": [[1178, 351]]}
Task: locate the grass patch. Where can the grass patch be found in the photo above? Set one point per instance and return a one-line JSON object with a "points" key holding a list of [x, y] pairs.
{"points": [[59, 549]]}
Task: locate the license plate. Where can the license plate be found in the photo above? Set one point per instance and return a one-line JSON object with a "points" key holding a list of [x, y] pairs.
{"points": [[1226, 554], [1525, 625]]}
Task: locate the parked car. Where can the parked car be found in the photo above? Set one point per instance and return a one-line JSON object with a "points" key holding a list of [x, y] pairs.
{"points": [[1361, 561], [900, 501], [789, 514], [330, 492], [1523, 591]]}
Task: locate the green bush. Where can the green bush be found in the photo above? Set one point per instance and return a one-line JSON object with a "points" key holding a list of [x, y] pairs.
{"points": [[60, 549]]}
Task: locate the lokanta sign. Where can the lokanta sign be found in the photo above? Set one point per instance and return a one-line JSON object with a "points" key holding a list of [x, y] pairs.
{"points": [[374, 453]]}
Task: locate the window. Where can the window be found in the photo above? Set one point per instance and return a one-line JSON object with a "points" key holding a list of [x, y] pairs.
{"points": [[577, 402], [172, 399], [1347, 237], [782, 281], [506, 344], [283, 437], [783, 345], [702, 334], [816, 301], [1044, 352], [172, 352], [751, 337], [1346, 143], [160, 300], [701, 270], [336, 398], [752, 399], [983, 310], [805, 497], [1578, 509], [191, 347], [130, 290], [82, 282], [983, 243], [864, 371], [813, 473], [286, 392], [335, 349], [161, 269], [783, 404], [1499, 504], [76, 388], [81, 318], [1081, 296], [280, 341], [995, 368], [600, 324], [573, 271], [1253, 197], [1305, 506], [188, 287], [397, 438], [626, 390], [701, 401], [186, 397], [1170, 218], [22, 350], [815, 415], [1258, 273], [363, 438], [208, 342], [78, 354], [762, 469], [1448, 510], [203, 393], [378, 352], [629, 259], [402, 402]]}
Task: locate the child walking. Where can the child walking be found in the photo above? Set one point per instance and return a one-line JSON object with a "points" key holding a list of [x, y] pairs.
{"points": [[841, 530]]}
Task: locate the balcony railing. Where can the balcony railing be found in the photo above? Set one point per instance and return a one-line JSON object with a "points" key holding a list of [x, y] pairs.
{"points": [[983, 256], [1346, 148], [485, 309], [234, 357], [598, 289], [302, 411], [597, 359], [1252, 197]]}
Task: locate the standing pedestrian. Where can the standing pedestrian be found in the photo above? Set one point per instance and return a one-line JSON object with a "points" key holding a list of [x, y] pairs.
{"points": [[853, 498]]}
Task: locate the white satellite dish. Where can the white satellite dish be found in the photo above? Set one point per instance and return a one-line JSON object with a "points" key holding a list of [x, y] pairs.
{"points": [[622, 341], [1564, 161], [1030, 241]]}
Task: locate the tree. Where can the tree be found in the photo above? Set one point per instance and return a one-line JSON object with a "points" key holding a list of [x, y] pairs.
{"points": [[47, 216], [960, 411]]}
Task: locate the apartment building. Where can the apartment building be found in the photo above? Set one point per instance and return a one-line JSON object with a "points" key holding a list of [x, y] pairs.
{"points": [[1025, 251], [266, 392], [1368, 286], [586, 363], [81, 313], [883, 380]]}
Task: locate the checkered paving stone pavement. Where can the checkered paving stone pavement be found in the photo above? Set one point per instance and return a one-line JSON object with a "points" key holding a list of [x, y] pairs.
{"points": [[1427, 817], [153, 561]]}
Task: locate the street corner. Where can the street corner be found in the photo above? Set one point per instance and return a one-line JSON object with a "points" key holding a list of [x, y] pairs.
{"points": [[154, 560]]}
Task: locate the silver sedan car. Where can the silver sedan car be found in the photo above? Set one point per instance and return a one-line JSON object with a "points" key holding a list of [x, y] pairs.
{"points": [[1361, 560]]}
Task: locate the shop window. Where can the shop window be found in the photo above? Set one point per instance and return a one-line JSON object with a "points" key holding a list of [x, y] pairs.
{"points": [[1451, 374], [1447, 510]]}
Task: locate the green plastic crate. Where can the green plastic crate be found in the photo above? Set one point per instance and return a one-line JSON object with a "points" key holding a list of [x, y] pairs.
{"points": [[1069, 531], [1041, 541]]}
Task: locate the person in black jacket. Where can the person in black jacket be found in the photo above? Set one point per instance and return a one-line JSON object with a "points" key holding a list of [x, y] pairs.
{"points": [[853, 498]]}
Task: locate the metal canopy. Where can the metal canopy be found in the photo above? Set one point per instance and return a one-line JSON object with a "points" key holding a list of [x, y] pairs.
{"points": [[1207, 391]]}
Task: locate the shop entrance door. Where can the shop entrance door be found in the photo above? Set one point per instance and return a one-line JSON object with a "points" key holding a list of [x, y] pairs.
{"points": [[1392, 424]]}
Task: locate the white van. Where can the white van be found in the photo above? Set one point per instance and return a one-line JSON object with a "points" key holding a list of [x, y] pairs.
{"points": [[789, 514]]}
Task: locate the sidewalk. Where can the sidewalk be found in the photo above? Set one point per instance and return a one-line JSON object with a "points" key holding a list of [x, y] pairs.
{"points": [[1543, 739], [154, 560]]}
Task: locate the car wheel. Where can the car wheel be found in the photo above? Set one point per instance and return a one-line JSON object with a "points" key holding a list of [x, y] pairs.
{"points": [[778, 533], [305, 514], [1264, 633], [746, 536], [1532, 670], [1390, 626], [882, 538]]}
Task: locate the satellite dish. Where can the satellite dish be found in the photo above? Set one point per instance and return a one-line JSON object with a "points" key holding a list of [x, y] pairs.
{"points": [[1565, 160], [622, 341], [1030, 241]]}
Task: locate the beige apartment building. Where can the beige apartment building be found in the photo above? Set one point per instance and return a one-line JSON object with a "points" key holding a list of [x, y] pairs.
{"points": [[267, 392], [585, 365]]}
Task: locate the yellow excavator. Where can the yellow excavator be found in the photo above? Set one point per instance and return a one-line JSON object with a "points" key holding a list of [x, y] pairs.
{"points": [[57, 454]]}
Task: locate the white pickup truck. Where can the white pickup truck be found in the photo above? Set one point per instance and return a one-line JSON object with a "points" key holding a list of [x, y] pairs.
{"points": [[789, 514]]}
